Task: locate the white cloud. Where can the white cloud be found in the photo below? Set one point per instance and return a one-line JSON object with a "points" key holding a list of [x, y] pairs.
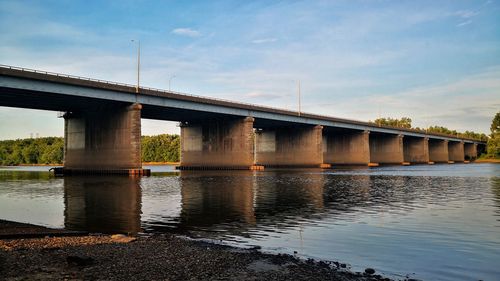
{"points": [[464, 23], [263, 95], [186, 32], [466, 14], [264, 40]]}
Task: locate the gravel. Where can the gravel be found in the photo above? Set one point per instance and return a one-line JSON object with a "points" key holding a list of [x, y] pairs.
{"points": [[157, 257]]}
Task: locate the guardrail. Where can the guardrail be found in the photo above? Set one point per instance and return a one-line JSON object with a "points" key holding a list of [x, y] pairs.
{"points": [[258, 107], [140, 87]]}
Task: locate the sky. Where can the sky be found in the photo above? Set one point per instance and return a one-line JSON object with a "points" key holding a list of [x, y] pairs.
{"points": [[437, 62]]}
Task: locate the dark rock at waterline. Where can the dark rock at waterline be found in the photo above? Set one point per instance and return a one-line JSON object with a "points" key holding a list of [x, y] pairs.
{"points": [[80, 260], [370, 271], [343, 265]]}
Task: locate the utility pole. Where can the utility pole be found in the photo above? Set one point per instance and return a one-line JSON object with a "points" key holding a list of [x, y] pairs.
{"points": [[138, 63], [170, 80], [298, 90]]}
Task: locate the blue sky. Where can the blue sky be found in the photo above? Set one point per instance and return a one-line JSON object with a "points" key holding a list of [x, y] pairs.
{"points": [[437, 62]]}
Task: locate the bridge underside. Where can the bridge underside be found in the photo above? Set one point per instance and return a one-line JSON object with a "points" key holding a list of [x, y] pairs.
{"points": [[102, 129], [346, 147], [386, 149], [216, 143], [416, 150], [289, 147], [106, 139]]}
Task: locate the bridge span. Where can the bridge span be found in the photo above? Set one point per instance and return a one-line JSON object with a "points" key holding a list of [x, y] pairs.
{"points": [[103, 128]]}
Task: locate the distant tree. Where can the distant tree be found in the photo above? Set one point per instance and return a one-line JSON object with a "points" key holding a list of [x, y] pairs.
{"points": [[32, 151], [493, 146], [161, 148], [495, 124], [404, 122]]}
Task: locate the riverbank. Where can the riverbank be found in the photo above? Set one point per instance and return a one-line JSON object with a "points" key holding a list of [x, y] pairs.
{"points": [[497, 161], [160, 163], [58, 165], [158, 257]]}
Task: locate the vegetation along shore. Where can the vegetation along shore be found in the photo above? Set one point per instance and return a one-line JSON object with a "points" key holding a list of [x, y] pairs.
{"points": [[165, 149]]}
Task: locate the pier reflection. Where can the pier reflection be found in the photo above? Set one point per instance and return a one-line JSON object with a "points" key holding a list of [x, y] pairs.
{"points": [[103, 204], [495, 190], [234, 202], [216, 197]]}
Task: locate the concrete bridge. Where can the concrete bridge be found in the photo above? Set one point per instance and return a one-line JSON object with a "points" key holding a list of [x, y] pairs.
{"points": [[103, 129]]}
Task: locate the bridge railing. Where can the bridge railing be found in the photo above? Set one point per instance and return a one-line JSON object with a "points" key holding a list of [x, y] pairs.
{"points": [[140, 87], [285, 111]]}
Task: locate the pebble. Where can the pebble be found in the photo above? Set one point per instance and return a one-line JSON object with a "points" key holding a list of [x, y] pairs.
{"points": [[80, 260], [154, 258], [370, 271]]}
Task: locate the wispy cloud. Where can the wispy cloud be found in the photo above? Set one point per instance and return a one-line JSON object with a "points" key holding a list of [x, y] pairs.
{"points": [[185, 31], [464, 23], [264, 40], [262, 95], [466, 14]]}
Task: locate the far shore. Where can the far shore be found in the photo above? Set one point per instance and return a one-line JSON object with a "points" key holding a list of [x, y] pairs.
{"points": [[60, 164], [487, 161]]}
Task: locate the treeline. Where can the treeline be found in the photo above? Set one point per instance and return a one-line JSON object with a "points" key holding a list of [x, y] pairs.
{"points": [[50, 150], [493, 147], [405, 122], [166, 148], [161, 148]]}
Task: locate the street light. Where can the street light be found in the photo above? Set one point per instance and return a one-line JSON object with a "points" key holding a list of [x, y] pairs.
{"points": [[298, 93], [138, 63], [170, 80]]}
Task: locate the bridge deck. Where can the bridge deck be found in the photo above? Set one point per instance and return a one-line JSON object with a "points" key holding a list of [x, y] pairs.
{"points": [[26, 88]]}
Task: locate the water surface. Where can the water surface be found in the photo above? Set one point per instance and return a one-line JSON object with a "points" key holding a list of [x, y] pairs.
{"points": [[439, 222]]}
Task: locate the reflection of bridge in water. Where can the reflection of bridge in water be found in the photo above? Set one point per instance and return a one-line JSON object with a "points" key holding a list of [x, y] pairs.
{"points": [[236, 202], [102, 204], [233, 202], [103, 129]]}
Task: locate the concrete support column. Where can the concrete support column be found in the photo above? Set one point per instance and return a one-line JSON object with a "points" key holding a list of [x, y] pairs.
{"points": [[105, 139], [289, 147], [346, 148], [386, 149], [438, 151], [470, 150], [456, 151], [217, 143], [416, 150]]}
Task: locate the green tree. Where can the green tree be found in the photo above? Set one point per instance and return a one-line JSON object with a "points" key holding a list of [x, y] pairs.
{"points": [[493, 146], [404, 122], [495, 124], [160, 148]]}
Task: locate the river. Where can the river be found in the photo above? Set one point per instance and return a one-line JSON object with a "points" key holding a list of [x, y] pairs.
{"points": [[436, 222]]}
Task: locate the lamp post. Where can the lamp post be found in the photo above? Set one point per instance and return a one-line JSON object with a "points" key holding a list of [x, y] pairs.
{"points": [[138, 63], [170, 80], [298, 92]]}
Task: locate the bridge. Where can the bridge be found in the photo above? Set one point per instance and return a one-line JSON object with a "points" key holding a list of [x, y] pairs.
{"points": [[103, 129]]}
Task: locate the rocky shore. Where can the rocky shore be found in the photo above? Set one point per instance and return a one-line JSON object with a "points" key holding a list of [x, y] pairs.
{"points": [[157, 257]]}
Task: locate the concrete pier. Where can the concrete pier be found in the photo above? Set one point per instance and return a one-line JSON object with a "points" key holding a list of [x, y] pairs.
{"points": [[386, 149], [456, 151], [438, 151], [416, 150], [470, 151], [290, 147], [103, 139], [347, 147], [217, 143]]}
